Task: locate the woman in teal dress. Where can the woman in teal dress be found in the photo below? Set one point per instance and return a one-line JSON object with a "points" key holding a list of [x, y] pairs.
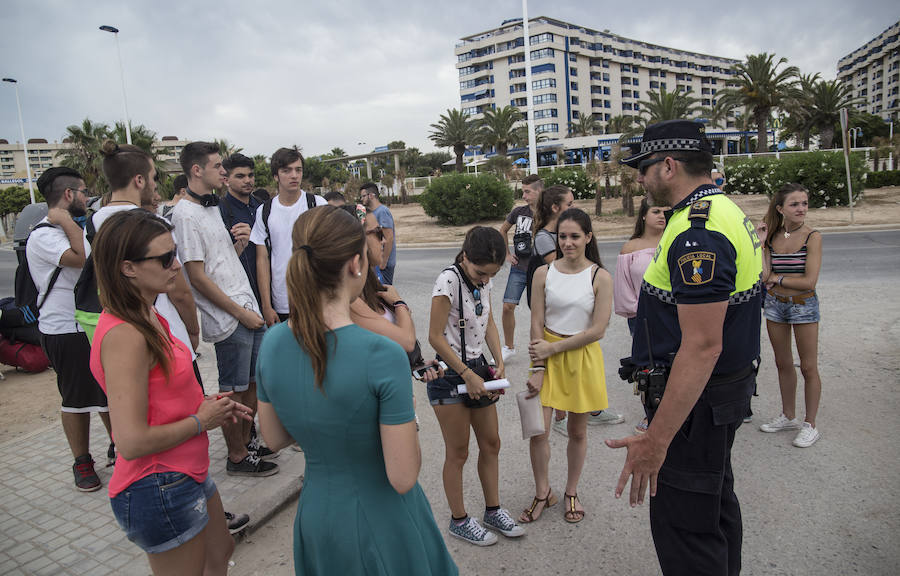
{"points": [[344, 395]]}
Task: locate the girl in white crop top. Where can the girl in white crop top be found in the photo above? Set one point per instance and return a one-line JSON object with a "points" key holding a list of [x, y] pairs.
{"points": [[570, 311]]}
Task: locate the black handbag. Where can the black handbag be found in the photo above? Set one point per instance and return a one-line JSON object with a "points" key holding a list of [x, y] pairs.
{"points": [[477, 365]]}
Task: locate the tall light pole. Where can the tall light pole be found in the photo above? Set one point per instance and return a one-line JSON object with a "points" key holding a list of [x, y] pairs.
{"points": [[15, 83], [115, 33], [529, 93]]}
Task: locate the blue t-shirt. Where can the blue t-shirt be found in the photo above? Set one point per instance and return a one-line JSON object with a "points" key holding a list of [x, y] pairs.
{"points": [[386, 220]]}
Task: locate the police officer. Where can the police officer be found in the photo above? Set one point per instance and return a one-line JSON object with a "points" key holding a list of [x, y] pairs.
{"points": [[698, 318]]}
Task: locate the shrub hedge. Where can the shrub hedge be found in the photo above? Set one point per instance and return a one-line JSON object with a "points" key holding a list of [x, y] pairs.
{"points": [[579, 182], [883, 178], [822, 173], [459, 199]]}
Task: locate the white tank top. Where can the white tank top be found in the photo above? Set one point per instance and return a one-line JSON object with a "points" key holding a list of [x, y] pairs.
{"points": [[568, 300]]}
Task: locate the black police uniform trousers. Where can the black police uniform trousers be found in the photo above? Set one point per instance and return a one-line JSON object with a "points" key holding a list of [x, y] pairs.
{"points": [[695, 517]]}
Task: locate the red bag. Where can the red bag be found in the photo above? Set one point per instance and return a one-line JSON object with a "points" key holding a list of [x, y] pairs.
{"points": [[28, 357]]}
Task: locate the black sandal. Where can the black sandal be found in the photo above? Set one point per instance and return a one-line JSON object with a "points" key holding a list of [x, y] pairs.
{"points": [[527, 516]]}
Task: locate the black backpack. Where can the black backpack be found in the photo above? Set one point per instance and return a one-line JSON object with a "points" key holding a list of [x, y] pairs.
{"points": [[21, 315], [87, 297]]}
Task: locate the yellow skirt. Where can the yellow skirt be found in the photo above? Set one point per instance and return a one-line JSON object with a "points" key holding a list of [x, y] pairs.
{"points": [[575, 381]]}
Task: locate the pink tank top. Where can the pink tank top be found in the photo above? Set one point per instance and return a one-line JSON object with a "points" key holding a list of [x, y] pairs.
{"points": [[169, 400]]}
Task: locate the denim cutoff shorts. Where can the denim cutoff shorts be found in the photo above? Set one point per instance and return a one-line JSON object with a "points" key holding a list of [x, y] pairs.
{"points": [[236, 358], [790, 313], [515, 285], [443, 391], [162, 511]]}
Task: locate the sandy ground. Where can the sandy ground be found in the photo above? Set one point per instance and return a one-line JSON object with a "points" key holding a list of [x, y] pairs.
{"points": [[31, 400]]}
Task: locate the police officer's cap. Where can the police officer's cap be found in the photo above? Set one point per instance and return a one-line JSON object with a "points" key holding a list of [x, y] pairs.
{"points": [[670, 136], [47, 178]]}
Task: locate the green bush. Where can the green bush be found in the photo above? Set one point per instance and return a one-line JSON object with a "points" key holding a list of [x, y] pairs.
{"points": [[459, 199], [822, 173], [575, 179], [15, 198], [883, 178]]}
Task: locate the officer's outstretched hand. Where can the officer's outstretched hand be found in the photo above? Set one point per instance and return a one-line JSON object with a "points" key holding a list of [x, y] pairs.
{"points": [[645, 458]]}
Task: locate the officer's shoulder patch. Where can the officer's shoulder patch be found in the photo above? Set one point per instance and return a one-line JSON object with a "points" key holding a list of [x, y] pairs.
{"points": [[699, 209], [697, 267]]}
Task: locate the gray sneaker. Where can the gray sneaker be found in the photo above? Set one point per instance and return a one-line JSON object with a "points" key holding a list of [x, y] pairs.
{"points": [[606, 417], [502, 522], [779, 423], [472, 532]]}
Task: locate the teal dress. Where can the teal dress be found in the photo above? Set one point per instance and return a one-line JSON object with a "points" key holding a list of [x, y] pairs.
{"points": [[350, 520]]}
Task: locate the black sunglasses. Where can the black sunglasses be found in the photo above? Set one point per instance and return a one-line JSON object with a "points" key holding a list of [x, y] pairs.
{"points": [[377, 231], [479, 307], [645, 165], [166, 259]]}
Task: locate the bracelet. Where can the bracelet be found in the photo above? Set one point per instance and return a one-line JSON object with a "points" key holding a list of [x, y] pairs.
{"points": [[537, 369], [464, 371], [402, 303], [199, 425], [781, 281]]}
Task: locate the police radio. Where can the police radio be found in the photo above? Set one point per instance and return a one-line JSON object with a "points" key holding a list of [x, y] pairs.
{"points": [[650, 383]]}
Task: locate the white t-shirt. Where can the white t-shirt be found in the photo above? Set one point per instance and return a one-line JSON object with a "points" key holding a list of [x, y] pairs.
{"points": [[164, 306], [281, 225], [44, 249], [201, 237], [447, 284]]}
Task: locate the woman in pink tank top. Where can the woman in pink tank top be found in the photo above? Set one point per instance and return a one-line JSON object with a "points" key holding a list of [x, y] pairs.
{"points": [[161, 493]]}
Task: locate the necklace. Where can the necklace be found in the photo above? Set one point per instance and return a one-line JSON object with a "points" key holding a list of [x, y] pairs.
{"points": [[788, 234]]}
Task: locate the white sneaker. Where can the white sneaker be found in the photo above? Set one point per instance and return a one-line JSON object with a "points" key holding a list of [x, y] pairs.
{"points": [[561, 426], [472, 532], [807, 436], [507, 353], [503, 523], [780, 423]]}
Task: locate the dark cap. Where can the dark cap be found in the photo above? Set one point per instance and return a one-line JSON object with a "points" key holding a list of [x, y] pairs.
{"points": [[51, 174], [670, 136]]}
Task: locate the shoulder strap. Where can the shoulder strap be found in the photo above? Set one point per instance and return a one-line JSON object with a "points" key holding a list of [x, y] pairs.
{"points": [[808, 235], [594, 275], [461, 323], [56, 272], [90, 229], [266, 211], [310, 201]]}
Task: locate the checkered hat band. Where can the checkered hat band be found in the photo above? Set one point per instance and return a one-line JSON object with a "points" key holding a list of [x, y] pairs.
{"points": [[670, 144]]}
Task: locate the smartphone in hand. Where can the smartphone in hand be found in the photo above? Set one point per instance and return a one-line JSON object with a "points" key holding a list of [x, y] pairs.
{"points": [[419, 373]]}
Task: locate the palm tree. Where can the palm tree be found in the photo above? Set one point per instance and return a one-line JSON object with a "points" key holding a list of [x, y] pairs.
{"points": [[761, 87], [501, 129], [226, 148], [84, 154], [824, 109], [619, 124], [454, 130], [587, 125], [337, 152], [797, 106], [664, 105]]}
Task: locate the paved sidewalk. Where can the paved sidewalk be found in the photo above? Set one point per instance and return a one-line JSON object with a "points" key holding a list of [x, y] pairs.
{"points": [[49, 527]]}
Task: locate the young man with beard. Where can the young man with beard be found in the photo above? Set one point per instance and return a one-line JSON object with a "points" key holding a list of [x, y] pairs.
{"points": [[272, 232], [699, 311], [229, 312], [55, 254], [239, 205], [369, 196]]}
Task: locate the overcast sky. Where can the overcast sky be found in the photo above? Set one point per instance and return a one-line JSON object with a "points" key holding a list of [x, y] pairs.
{"points": [[326, 74]]}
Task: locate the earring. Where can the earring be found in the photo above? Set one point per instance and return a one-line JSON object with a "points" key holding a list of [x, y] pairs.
{"points": [[359, 273]]}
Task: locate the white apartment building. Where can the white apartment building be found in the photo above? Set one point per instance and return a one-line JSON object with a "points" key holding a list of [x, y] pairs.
{"points": [[43, 154], [873, 70], [577, 71]]}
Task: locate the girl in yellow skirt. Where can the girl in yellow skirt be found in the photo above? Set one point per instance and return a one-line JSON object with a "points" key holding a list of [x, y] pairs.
{"points": [[570, 310]]}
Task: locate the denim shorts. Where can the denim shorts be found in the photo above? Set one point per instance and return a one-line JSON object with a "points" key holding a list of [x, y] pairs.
{"points": [[236, 358], [515, 285], [790, 313], [162, 511]]}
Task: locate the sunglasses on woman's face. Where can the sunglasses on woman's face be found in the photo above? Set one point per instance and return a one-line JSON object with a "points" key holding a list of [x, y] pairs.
{"points": [[166, 260], [377, 231], [479, 307]]}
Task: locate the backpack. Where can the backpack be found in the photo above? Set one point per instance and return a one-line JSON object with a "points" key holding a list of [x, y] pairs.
{"points": [[87, 298], [267, 210], [535, 262]]}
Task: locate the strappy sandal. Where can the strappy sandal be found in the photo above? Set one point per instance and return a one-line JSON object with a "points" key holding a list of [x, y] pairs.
{"points": [[571, 515], [527, 516]]}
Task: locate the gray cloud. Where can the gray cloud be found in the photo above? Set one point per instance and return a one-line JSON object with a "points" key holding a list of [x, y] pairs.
{"points": [[322, 75]]}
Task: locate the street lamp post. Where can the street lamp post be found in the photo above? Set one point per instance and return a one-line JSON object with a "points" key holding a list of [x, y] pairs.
{"points": [[115, 33], [15, 83]]}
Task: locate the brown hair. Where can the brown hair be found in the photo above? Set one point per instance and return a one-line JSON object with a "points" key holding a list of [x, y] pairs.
{"points": [[774, 220], [122, 162], [548, 198], [125, 236], [324, 239], [639, 221], [533, 179]]}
